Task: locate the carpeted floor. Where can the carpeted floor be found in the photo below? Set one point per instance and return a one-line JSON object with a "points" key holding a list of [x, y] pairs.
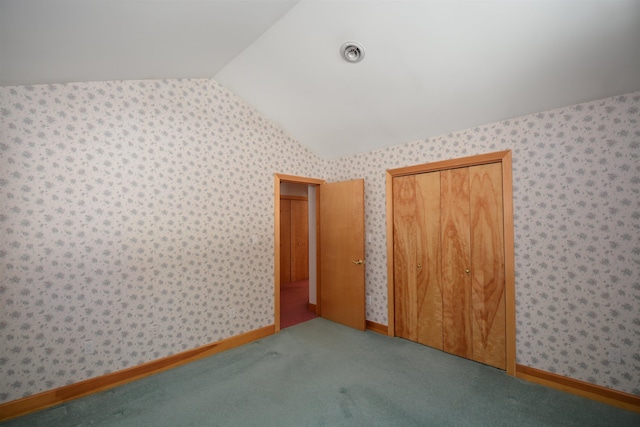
{"points": [[319, 373]]}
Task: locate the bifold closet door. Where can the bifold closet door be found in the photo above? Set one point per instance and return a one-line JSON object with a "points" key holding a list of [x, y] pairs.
{"points": [[473, 299], [456, 262], [417, 258], [449, 261], [488, 315]]}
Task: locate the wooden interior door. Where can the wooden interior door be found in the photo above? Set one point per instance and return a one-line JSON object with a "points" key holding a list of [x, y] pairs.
{"points": [[299, 240], [342, 280], [285, 241], [417, 263], [488, 317], [294, 239], [475, 234], [456, 262], [449, 261]]}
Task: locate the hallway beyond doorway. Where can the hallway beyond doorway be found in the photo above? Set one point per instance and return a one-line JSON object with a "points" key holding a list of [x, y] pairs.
{"points": [[294, 303]]}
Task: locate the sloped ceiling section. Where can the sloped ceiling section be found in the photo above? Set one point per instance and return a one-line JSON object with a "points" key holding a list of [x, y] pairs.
{"points": [[430, 67], [59, 41]]}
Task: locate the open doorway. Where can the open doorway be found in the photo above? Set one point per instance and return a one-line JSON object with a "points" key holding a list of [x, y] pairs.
{"points": [[339, 246], [297, 250], [296, 290]]}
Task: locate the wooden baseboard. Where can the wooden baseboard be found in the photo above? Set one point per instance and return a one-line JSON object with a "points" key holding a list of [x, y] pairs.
{"points": [[312, 307], [69, 392], [602, 394], [377, 327]]}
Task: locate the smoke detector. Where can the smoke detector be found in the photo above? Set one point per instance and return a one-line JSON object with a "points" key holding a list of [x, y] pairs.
{"points": [[352, 52]]}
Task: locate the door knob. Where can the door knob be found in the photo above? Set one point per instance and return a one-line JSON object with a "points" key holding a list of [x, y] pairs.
{"points": [[419, 265], [467, 271], [358, 262]]}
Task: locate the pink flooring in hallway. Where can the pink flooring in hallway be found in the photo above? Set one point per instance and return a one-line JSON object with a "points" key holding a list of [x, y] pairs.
{"points": [[294, 298]]}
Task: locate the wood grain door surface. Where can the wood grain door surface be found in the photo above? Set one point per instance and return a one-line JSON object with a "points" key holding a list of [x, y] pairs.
{"points": [[417, 252], [449, 261], [294, 240], [342, 280], [299, 240], [456, 259], [488, 317], [285, 241]]}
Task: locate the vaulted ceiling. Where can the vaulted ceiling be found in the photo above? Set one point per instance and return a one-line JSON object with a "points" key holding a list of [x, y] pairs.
{"points": [[430, 67]]}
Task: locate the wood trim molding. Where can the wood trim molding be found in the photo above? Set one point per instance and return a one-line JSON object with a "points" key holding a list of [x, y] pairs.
{"points": [[377, 327], [503, 157], [620, 399], [298, 179], [276, 252], [509, 262], [286, 197], [312, 307], [69, 392], [318, 278], [279, 178], [480, 159], [391, 308]]}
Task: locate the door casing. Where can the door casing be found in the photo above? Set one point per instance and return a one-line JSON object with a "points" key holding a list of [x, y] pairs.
{"points": [[278, 179], [504, 158]]}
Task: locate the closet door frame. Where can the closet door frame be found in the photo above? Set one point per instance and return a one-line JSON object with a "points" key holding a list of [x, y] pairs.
{"points": [[504, 158]]}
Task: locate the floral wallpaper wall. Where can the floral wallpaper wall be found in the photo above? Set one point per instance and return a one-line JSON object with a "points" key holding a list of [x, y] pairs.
{"points": [[576, 189], [137, 215]]}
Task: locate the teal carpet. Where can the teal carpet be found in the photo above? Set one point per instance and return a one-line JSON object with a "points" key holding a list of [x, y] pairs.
{"points": [[322, 374]]}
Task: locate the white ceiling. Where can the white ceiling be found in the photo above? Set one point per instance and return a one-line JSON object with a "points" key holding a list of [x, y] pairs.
{"points": [[430, 67], [55, 41]]}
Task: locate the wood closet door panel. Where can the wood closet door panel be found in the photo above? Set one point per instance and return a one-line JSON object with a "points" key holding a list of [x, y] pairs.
{"points": [[285, 241], [299, 240], [487, 269], [429, 259], [456, 254], [404, 257], [418, 294]]}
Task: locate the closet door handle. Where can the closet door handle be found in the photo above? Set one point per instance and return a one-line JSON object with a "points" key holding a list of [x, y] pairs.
{"points": [[467, 271], [358, 262], [419, 265]]}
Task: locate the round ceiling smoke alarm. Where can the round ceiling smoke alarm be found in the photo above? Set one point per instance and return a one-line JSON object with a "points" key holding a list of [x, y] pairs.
{"points": [[352, 52]]}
